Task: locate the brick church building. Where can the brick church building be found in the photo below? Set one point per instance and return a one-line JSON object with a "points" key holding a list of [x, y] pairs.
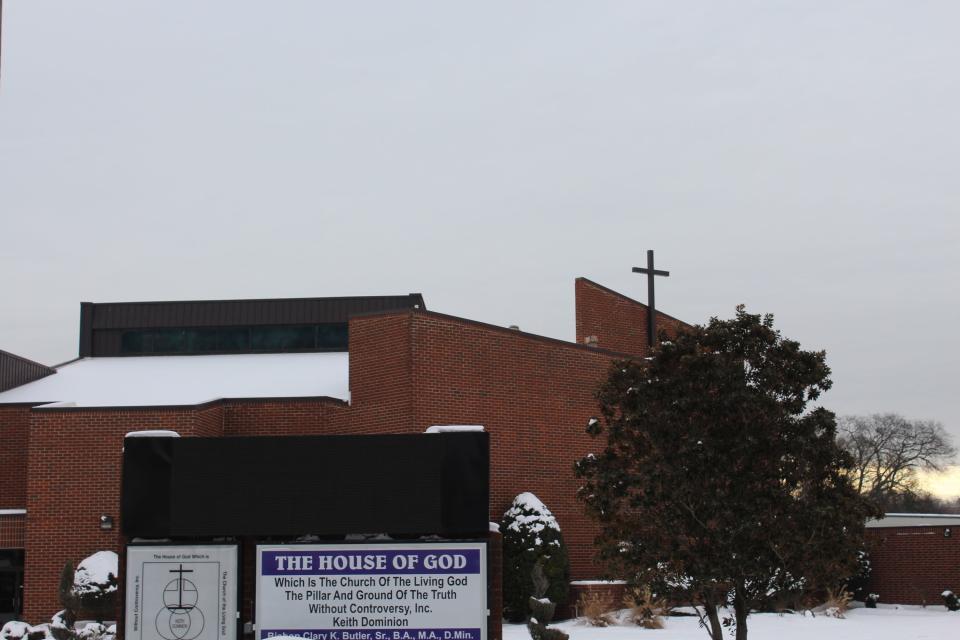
{"points": [[314, 366]]}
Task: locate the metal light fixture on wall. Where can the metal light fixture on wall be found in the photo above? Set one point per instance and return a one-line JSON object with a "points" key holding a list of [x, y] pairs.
{"points": [[106, 522]]}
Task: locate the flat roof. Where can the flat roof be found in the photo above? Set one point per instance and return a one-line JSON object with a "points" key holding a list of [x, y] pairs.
{"points": [[915, 520], [185, 380]]}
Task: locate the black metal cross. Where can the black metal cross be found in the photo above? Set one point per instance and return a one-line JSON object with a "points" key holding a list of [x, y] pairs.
{"points": [[652, 309]]}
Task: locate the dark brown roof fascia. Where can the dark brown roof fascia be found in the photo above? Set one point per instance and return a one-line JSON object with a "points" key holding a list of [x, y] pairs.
{"points": [[16, 371], [324, 399], [86, 330], [27, 360], [173, 408], [187, 407], [63, 364], [14, 405], [417, 296]]}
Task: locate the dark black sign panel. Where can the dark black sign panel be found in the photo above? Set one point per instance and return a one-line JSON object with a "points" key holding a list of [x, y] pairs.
{"points": [[320, 485]]}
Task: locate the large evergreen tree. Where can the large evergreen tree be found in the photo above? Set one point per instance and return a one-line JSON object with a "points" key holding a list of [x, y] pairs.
{"points": [[716, 482]]}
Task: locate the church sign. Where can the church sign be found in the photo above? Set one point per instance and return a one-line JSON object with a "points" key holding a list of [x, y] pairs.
{"points": [[383, 591], [181, 592]]}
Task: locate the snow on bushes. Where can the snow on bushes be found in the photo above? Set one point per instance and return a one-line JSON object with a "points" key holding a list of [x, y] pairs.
{"points": [[92, 588], [531, 534], [950, 600], [56, 629], [14, 630], [96, 574]]}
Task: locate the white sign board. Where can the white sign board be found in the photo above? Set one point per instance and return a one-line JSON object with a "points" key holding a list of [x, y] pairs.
{"points": [[180, 592], [391, 591]]}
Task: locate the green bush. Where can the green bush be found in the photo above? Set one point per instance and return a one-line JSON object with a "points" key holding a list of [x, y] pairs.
{"points": [[90, 589], [531, 534]]}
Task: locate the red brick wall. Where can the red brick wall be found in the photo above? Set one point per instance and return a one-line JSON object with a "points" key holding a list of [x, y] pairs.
{"points": [[73, 476], [618, 322], [208, 421], [14, 426], [381, 374], [533, 395], [914, 565], [279, 417], [12, 531]]}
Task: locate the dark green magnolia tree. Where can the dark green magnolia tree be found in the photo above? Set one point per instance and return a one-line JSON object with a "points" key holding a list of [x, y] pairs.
{"points": [[717, 483]]}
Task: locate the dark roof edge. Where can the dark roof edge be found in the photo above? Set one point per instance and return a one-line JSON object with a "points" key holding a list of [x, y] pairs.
{"points": [[25, 405], [181, 407], [418, 296], [63, 364], [629, 299], [513, 332], [28, 361]]}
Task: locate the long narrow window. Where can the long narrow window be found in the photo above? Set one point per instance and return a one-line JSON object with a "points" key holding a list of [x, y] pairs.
{"points": [[252, 339]]}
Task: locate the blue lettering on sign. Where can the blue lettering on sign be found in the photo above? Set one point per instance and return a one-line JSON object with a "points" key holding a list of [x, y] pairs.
{"points": [[370, 562]]}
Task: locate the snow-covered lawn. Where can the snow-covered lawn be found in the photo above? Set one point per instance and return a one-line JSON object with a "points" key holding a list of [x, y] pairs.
{"points": [[887, 622]]}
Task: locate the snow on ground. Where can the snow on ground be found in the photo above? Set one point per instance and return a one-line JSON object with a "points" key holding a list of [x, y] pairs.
{"points": [[887, 622]]}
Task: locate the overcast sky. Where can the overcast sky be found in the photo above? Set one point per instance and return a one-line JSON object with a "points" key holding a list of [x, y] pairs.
{"points": [[799, 157]]}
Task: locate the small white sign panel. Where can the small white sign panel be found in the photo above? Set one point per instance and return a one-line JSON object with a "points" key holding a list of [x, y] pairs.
{"points": [[180, 592], [391, 591]]}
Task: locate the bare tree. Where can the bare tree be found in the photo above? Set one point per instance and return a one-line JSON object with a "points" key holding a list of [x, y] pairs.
{"points": [[889, 450]]}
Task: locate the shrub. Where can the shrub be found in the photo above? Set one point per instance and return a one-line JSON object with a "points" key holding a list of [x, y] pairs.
{"points": [[837, 603], [645, 609], [857, 584], [95, 585], [950, 600], [780, 592], [56, 629], [14, 630], [595, 608], [91, 588], [62, 623], [541, 608], [68, 600], [531, 535]]}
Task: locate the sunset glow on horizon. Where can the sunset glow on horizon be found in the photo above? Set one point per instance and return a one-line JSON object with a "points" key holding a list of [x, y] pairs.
{"points": [[942, 485]]}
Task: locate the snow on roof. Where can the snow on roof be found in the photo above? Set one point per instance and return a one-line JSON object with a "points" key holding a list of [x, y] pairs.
{"points": [[153, 433], [915, 520], [454, 428], [185, 380]]}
